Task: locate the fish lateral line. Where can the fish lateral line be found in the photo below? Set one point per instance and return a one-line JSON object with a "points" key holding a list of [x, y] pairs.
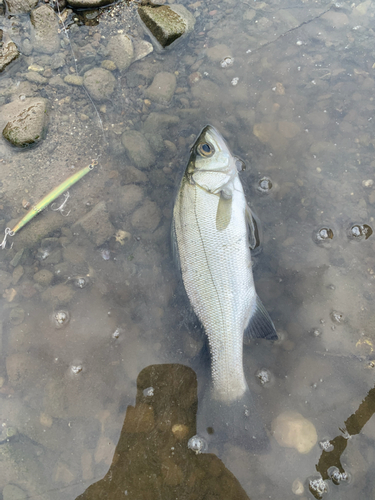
{"points": [[47, 200]]}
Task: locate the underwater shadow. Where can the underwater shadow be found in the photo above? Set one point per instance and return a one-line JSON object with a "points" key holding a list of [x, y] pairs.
{"points": [[152, 459]]}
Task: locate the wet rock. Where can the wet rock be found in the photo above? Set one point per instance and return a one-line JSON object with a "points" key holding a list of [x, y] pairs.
{"points": [[33, 77], [58, 295], [335, 19], [5, 281], [58, 61], [292, 430], [159, 123], [138, 149], [8, 54], [288, 129], [20, 6], [120, 50], [27, 123], [88, 4], [162, 88], [17, 274], [100, 83], [57, 81], [133, 175], [96, 224], [139, 419], [22, 369], [142, 49], [43, 277], [12, 492], [127, 199], [45, 37], [206, 91], [27, 47], [166, 23], [146, 217], [109, 65], [74, 80], [16, 315], [218, 53]]}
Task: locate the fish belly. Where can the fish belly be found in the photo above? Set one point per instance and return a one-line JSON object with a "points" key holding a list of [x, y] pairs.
{"points": [[217, 275]]}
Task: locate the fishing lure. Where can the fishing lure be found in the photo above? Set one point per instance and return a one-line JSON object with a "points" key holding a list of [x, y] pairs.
{"points": [[55, 193]]}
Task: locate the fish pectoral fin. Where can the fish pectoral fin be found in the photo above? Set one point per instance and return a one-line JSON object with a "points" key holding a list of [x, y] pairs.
{"points": [[224, 212], [254, 229], [260, 324]]}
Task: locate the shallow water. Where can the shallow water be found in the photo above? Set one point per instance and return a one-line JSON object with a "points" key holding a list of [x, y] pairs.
{"points": [[300, 114]]}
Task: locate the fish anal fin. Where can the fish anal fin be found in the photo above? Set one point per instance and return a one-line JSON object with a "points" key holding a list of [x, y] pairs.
{"points": [[224, 212], [260, 324]]}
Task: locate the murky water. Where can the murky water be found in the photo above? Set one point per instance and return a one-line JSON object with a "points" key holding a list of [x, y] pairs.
{"points": [[92, 311]]}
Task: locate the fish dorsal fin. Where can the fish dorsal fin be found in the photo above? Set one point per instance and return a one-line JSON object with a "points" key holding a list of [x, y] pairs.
{"points": [[260, 324], [224, 212]]}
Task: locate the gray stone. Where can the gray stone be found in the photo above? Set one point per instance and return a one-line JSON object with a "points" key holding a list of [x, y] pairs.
{"points": [[58, 61], [166, 23], [34, 77], [96, 224], [127, 199], [57, 81], [99, 83], [159, 123], [5, 281], [162, 88], [20, 6], [88, 4], [74, 80], [17, 274], [17, 258], [132, 175], [27, 123], [120, 51], [142, 49], [138, 148], [8, 54], [146, 217], [27, 47], [45, 30], [43, 277], [12, 492]]}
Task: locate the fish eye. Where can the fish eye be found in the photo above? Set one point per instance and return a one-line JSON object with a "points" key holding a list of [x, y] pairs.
{"points": [[206, 149]]}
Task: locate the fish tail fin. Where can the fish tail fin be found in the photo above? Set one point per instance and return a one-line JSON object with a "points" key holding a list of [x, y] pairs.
{"points": [[236, 422]]}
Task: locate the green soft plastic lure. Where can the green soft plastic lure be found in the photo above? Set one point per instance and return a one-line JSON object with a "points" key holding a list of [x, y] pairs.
{"points": [[47, 200]]}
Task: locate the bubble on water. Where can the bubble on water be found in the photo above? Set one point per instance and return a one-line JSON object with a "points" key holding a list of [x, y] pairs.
{"points": [[338, 317], [197, 444], [297, 487], [235, 81], [116, 333], [227, 62], [264, 185], [148, 392], [360, 232], [336, 476], [105, 253], [81, 281], [264, 376], [60, 318], [75, 369], [318, 487], [323, 234], [316, 332], [326, 445]]}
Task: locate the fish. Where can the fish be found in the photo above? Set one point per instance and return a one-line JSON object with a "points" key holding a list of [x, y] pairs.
{"points": [[213, 231]]}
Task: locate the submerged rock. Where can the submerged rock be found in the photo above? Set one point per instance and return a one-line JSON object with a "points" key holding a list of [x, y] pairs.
{"points": [[45, 37], [138, 149], [20, 6], [27, 123], [162, 88], [88, 4], [166, 23], [100, 83], [8, 54], [96, 224], [120, 51], [292, 430]]}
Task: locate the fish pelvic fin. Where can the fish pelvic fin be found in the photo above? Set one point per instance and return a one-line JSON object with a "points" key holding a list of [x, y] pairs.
{"points": [[260, 325]]}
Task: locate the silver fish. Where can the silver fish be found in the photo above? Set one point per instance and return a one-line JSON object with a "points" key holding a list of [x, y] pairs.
{"points": [[212, 231]]}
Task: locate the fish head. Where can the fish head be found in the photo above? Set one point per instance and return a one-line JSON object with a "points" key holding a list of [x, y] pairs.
{"points": [[212, 165]]}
